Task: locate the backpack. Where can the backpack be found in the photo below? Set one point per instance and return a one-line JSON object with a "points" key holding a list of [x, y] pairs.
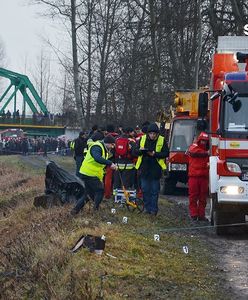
{"points": [[122, 147]]}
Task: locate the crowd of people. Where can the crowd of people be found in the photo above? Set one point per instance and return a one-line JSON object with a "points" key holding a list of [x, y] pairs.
{"points": [[37, 118], [110, 158], [25, 146], [8, 115]]}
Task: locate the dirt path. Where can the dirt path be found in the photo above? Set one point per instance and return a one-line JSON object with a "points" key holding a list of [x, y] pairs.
{"points": [[36, 161], [230, 251], [39, 162]]}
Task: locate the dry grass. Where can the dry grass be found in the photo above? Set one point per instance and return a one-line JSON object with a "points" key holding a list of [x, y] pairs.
{"points": [[36, 262], [17, 186]]}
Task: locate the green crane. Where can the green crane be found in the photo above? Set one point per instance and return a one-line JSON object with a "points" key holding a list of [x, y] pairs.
{"points": [[20, 83]]}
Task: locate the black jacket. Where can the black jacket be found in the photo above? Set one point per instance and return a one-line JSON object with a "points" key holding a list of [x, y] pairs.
{"points": [[150, 167], [80, 144]]}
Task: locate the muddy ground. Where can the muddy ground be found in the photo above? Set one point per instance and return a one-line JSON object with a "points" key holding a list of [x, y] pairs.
{"points": [[230, 250]]}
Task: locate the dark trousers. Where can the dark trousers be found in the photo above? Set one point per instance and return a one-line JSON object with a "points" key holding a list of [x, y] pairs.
{"points": [[150, 189], [79, 160], [93, 190]]}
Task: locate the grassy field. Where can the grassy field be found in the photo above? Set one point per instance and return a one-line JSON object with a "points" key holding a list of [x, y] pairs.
{"points": [[36, 261]]}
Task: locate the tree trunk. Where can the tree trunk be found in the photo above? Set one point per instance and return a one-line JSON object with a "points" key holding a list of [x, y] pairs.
{"points": [[108, 18], [199, 44], [89, 67], [75, 64], [130, 101], [157, 69]]}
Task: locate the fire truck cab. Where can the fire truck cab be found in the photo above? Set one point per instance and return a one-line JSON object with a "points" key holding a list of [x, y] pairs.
{"points": [[228, 182]]}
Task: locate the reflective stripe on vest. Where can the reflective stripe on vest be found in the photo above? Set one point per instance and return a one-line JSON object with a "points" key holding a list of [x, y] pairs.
{"points": [[92, 168], [159, 146], [128, 166]]}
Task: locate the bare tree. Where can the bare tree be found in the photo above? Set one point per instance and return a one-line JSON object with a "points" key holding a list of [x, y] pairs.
{"points": [[105, 27], [128, 57], [199, 44], [69, 12], [42, 76], [227, 16], [155, 51], [74, 28], [87, 47]]}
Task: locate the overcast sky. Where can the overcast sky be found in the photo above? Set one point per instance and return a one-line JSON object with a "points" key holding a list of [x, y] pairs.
{"points": [[21, 29]]}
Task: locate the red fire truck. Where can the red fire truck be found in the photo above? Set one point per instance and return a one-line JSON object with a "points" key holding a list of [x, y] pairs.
{"points": [[183, 129], [229, 134]]}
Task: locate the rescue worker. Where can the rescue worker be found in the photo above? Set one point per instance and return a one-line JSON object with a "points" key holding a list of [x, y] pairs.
{"points": [[152, 150], [198, 174], [92, 172], [108, 180], [97, 136], [124, 160], [139, 134], [94, 129], [79, 145], [143, 130]]}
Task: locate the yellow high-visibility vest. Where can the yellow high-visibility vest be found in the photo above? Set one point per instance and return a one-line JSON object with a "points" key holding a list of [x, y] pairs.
{"points": [[92, 168], [89, 143], [72, 145], [159, 146]]}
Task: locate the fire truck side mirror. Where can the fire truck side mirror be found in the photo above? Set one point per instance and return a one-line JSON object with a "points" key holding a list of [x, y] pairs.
{"points": [[237, 105], [202, 105], [232, 99], [242, 57]]}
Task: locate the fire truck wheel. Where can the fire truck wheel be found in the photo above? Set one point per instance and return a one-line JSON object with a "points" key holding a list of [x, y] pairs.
{"points": [[211, 212], [213, 201], [220, 219], [237, 219]]}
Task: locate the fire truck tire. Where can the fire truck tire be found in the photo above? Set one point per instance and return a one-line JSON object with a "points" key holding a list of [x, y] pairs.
{"points": [[212, 220], [220, 219], [234, 219], [211, 213], [238, 219], [213, 200]]}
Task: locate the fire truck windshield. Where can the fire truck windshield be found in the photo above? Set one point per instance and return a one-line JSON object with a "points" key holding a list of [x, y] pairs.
{"points": [[183, 132], [235, 114]]}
